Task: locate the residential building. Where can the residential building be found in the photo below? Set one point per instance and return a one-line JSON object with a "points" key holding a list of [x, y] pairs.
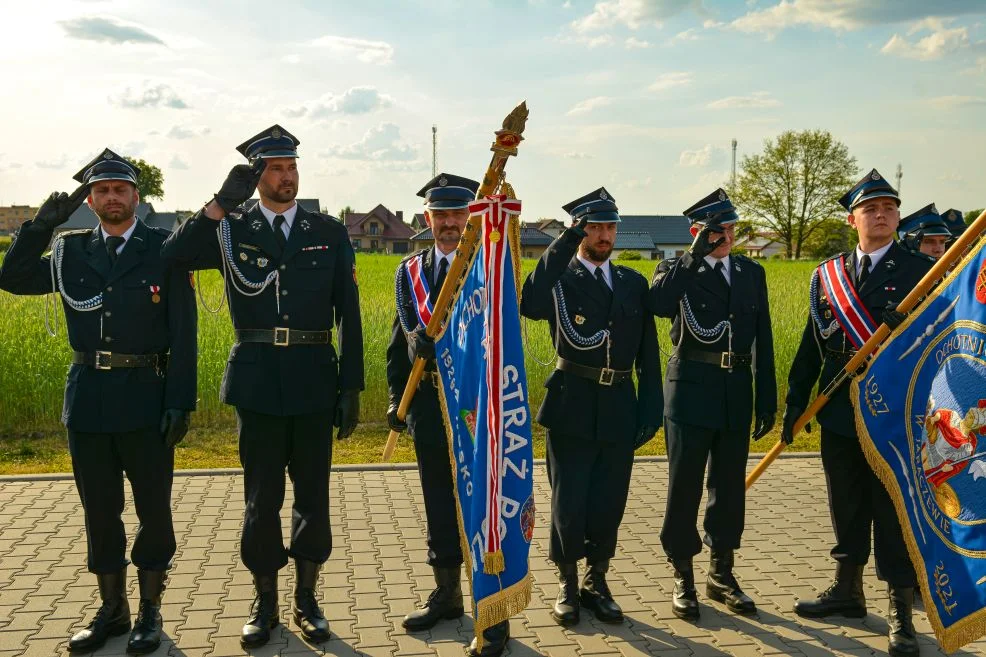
{"points": [[533, 242], [669, 234], [761, 245], [379, 231], [12, 216], [641, 243]]}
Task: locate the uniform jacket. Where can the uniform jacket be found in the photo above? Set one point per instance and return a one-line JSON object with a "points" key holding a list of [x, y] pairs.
{"points": [[317, 288], [129, 322], [704, 394], [399, 355], [575, 406], [818, 359]]}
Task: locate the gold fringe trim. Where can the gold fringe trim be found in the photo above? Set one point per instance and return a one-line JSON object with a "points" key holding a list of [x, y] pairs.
{"points": [[501, 606], [973, 626], [493, 563]]}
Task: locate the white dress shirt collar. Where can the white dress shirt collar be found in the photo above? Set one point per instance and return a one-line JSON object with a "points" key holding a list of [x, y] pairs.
{"points": [[875, 256], [125, 236], [725, 265], [287, 214], [607, 273]]}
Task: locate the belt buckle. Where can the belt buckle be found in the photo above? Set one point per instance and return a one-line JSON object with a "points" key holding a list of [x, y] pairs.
{"points": [[606, 376], [282, 336], [726, 360], [102, 364]]}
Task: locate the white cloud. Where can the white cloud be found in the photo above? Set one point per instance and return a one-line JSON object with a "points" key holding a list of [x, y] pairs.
{"points": [[291, 59], [758, 99], [159, 95], [107, 29], [631, 13], [691, 34], [578, 155], [951, 102], [589, 104], [178, 163], [951, 177], [379, 144], [369, 52], [939, 43], [671, 80], [586, 40], [60, 163], [185, 132], [636, 183], [842, 15], [633, 43], [698, 158], [357, 100]]}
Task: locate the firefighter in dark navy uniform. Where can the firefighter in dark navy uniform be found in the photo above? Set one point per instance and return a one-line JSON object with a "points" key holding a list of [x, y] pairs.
{"points": [[925, 231], [447, 199], [131, 322], [954, 221], [720, 378], [290, 277], [881, 273], [595, 418]]}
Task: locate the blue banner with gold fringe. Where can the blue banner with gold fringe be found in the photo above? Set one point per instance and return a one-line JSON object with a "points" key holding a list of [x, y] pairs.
{"points": [[484, 396], [921, 414]]}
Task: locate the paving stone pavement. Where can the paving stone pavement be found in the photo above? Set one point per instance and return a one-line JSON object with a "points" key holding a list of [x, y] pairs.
{"points": [[377, 573]]}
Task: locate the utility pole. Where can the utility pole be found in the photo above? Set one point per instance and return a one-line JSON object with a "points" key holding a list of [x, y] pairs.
{"points": [[434, 150], [732, 178], [900, 174]]}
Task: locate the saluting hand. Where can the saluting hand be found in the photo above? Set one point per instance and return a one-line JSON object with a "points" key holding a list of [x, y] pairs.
{"points": [[58, 207], [764, 424], [240, 184], [702, 245], [174, 426], [579, 228]]}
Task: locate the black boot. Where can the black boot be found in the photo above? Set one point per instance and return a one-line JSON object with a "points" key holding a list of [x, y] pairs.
{"points": [[307, 615], [722, 586], [494, 641], [845, 596], [146, 636], [444, 603], [595, 593], [566, 609], [263, 612], [903, 639], [684, 599], [111, 619]]}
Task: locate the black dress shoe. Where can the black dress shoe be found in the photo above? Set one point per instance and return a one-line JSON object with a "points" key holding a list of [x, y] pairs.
{"points": [[595, 594], [903, 638], [111, 619], [263, 612], [684, 599], [567, 604], [307, 614], [722, 586], [146, 636], [444, 603], [844, 596], [494, 641]]}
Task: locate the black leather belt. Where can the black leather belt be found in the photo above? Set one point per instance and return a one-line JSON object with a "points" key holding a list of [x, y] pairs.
{"points": [[105, 360], [604, 376], [727, 360], [839, 354], [283, 337]]}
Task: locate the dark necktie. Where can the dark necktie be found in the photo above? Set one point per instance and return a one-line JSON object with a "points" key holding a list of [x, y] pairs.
{"points": [[721, 270], [113, 242], [602, 281], [282, 241], [864, 271], [442, 273]]}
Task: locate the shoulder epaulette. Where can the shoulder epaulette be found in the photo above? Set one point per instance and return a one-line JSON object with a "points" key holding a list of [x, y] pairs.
{"points": [[833, 258], [631, 271], [412, 255], [77, 231]]}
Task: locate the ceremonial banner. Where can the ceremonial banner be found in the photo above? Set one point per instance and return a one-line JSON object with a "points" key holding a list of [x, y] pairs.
{"points": [[920, 412], [484, 398]]}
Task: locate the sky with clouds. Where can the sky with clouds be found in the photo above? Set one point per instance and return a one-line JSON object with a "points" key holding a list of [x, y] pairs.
{"points": [[642, 96]]}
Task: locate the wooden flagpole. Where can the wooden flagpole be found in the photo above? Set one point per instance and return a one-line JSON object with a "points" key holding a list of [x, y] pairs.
{"points": [[936, 273], [505, 145]]}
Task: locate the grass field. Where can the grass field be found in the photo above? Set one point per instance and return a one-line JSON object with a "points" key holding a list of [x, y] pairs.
{"points": [[33, 367]]}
